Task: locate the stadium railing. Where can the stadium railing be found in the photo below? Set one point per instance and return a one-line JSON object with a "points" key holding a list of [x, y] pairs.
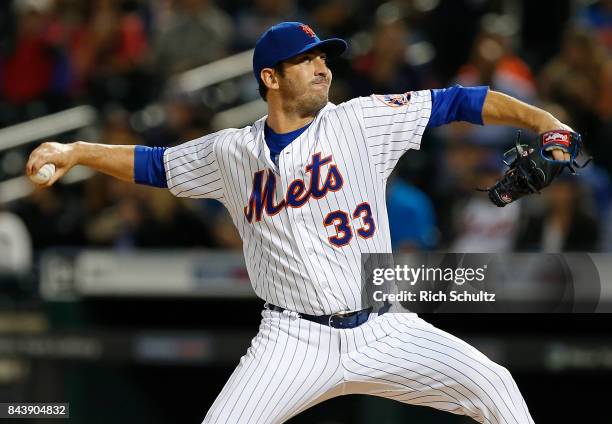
{"points": [[81, 117]]}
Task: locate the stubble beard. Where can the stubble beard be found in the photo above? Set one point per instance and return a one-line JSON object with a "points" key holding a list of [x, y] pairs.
{"points": [[308, 104], [311, 104]]}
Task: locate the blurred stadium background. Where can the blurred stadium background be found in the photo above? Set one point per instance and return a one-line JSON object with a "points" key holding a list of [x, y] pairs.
{"points": [[134, 306]]}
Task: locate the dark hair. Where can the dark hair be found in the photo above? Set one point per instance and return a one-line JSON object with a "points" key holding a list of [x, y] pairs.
{"points": [[263, 90]]}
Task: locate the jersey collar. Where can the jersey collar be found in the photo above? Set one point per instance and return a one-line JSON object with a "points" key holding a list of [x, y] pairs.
{"points": [[262, 150]]}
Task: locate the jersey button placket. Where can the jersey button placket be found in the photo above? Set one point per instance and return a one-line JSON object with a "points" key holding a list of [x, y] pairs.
{"points": [[282, 171], [295, 215]]}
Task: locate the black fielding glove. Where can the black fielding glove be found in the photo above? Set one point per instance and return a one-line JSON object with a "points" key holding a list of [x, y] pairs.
{"points": [[531, 166]]}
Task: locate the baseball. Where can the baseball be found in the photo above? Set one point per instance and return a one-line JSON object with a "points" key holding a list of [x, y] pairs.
{"points": [[44, 174]]}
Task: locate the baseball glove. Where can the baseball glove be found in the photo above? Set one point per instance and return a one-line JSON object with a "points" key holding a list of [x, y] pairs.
{"points": [[532, 167]]}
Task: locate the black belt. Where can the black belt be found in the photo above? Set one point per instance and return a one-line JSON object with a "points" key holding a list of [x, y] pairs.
{"points": [[337, 320]]}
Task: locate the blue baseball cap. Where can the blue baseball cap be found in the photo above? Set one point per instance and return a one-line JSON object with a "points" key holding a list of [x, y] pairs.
{"points": [[288, 39]]}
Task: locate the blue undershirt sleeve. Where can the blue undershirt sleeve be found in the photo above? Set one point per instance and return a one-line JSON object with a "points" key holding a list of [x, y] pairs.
{"points": [[457, 103], [149, 166]]}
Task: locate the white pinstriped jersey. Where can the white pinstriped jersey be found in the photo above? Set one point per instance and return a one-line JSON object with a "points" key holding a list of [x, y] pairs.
{"points": [[306, 221]]}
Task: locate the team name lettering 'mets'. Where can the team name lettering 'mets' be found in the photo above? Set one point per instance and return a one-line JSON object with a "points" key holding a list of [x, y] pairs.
{"points": [[262, 194]]}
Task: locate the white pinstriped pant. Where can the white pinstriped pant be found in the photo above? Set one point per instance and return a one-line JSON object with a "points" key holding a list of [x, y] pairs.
{"points": [[293, 364]]}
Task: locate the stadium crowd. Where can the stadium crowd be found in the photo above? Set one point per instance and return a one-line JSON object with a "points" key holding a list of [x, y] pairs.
{"points": [[119, 54]]}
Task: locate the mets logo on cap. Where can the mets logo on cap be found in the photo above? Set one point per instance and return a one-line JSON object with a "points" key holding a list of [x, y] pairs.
{"points": [[308, 30]]}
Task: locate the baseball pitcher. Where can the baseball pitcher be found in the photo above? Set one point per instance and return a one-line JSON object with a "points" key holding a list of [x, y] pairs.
{"points": [[305, 187]]}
